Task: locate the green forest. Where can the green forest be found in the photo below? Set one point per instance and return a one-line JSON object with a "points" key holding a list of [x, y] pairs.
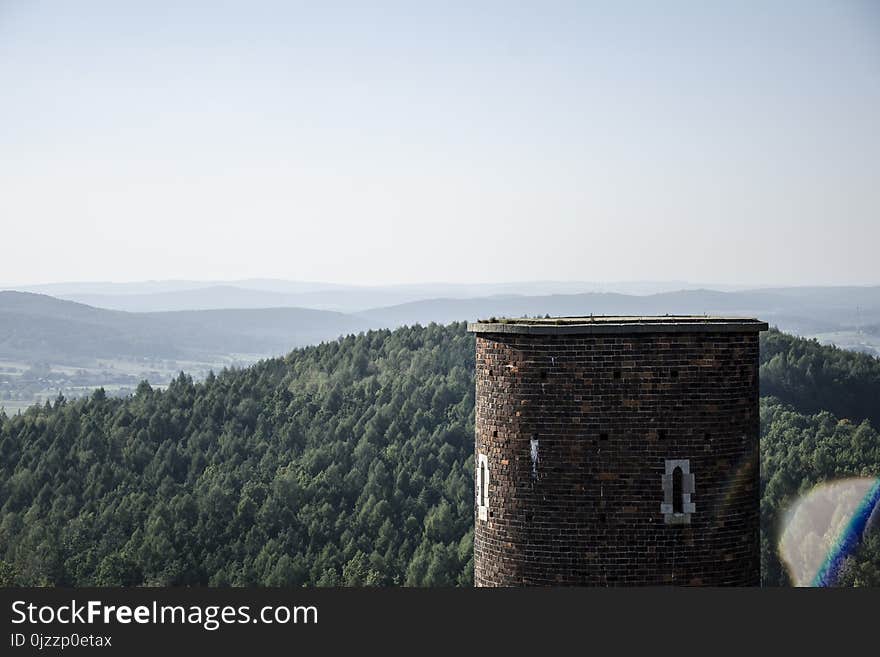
{"points": [[345, 464]]}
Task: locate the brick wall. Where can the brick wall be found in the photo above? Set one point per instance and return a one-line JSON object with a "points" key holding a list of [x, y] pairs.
{"points": [[582, 504]]}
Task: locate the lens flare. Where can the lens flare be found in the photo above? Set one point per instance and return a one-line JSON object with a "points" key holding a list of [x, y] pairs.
{"points": [[740, 484], [824, 527]]}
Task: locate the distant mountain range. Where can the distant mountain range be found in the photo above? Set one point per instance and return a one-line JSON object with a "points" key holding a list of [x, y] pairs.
{"points": [[155, 296], [806, 311], [228, 319]]}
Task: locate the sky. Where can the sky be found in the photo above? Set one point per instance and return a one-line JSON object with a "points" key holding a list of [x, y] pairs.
{"points": [[732, 142]]}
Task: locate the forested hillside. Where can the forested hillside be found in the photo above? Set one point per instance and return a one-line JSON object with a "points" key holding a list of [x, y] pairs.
{"points": [[347, 463], [814, 377]]}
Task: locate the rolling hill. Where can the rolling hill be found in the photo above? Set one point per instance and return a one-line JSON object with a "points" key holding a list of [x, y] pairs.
{"points": [[35, 327]]}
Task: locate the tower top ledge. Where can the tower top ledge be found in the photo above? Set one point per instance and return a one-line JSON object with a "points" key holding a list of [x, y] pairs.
{"points": [[619, 324]]}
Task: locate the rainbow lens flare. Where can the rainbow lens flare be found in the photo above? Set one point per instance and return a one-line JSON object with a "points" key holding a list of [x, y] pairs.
{"points": [[824, 527]]}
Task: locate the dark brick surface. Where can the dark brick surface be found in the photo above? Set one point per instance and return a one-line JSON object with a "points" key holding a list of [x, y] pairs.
{"points": [[607, 411]]}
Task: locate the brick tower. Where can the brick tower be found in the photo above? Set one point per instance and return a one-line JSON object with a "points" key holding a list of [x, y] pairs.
{"points": [[617, 451]]}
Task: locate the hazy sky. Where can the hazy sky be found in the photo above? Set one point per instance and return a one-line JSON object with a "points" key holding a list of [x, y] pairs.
{"points": [[727, 142]]}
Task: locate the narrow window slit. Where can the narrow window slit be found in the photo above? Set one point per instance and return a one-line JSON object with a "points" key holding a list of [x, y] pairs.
{"points": [[677, 491]]}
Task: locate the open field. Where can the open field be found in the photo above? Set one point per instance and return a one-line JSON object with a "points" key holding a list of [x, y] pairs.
{"points": [[22, 385], [853, 340]]}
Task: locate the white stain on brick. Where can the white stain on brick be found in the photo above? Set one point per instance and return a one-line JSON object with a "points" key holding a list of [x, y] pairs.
{"points": [[534, 454]]}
